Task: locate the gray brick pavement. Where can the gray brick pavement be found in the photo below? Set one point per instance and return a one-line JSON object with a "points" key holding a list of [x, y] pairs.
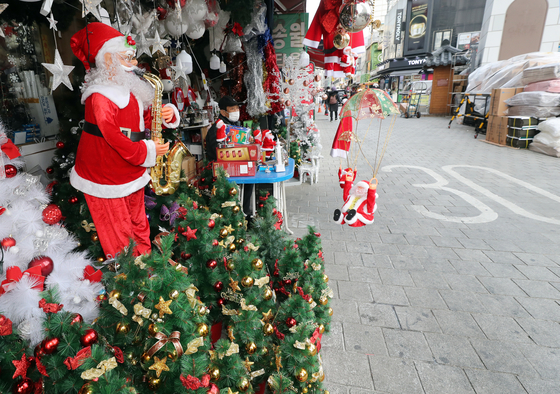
{"points": [[424, 305]]}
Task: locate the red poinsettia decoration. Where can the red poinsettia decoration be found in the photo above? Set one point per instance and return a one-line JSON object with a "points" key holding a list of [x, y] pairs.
{"points": [[237, 29]]}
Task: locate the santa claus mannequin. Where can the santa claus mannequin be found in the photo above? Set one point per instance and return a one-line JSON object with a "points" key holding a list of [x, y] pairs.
{"points": [[113, 158], [359, 202]]}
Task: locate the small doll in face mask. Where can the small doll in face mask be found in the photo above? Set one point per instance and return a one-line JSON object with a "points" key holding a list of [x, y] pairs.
{"points": [[229, 115]]}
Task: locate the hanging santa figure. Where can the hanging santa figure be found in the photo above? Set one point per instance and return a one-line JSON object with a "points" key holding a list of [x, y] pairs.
{"points": [[268, 143], [342, 175], [113, 158], [348, 62], [359, 202]]}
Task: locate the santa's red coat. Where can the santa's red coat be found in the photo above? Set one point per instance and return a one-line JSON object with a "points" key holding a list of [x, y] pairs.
{"points": [[365, 207]]}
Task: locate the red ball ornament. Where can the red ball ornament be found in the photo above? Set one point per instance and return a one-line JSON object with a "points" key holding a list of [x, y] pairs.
{"points": [[218, 286], [8, 242], [50, 345], [50, 170], [274, 211], [290, 322], [77, 319], [221, 301], [287, 282], [52, 214], [39, 352], [215, 242], [276, 273], [317, 234], [211, 224], [261, 205], [202, 180], [73, 200], [11, 171], [185, 255], [25, 386], [60, 145], [44, 262], [211, 264], [89, 338]]}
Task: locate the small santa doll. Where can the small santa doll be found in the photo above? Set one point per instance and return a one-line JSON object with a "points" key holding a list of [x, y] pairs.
{"points": [[268, 143], [359, 202], [347, 61], [342, 175]]}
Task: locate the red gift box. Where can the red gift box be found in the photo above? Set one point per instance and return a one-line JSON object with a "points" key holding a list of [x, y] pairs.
{"points": [[237, 168]]}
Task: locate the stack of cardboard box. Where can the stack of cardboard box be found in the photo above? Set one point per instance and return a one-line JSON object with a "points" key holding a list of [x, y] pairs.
{"points": [[497, 129]]}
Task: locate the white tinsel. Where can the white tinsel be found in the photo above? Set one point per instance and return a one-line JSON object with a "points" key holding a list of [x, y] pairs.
{"points": [[253, 79]]}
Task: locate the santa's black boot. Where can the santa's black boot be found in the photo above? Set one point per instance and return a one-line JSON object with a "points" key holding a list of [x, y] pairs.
{"points": [[351, 213], [337, 214]]}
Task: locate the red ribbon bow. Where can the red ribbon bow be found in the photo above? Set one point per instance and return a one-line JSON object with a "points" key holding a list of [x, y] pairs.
{"points": [[278, 333], [118, 354], [40, 367], [2, 210], [49, 308], [5, 326], [306, 297], [81, 356], [193, 383], [92, 275], [316, 337], [14, 274], [10, 150]]}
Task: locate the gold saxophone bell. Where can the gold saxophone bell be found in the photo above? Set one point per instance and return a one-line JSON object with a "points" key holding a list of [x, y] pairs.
{"points": [[171, 169]]}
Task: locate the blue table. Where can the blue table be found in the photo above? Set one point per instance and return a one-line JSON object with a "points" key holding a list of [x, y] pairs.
{"points": [[278, 189]]}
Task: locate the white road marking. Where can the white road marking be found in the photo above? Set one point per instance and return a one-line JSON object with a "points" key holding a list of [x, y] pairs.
{"points": [[500, 200], [486, 213]]}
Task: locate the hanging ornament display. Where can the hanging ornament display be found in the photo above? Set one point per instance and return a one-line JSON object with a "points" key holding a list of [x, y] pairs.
{"points": [[142, 45], [10, 170], [52, 214], [91, 6], [44, 262], [355, 15], [59, 71], [158, 44]]}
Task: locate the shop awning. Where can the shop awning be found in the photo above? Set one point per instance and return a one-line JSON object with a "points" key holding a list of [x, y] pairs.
{"points": [[405, 72]]}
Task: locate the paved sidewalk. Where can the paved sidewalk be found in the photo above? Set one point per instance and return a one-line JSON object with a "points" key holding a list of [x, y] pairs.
{"points": [[456, 286]]}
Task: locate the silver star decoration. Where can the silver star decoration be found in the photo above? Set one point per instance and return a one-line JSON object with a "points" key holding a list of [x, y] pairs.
{"points": [[91, 6], [179, 72], [52, 22], [142, 46], [158, 44], [3, 6], [59, 71]]}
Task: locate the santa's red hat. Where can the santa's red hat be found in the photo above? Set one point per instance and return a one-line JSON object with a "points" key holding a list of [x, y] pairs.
{"points": [[95, 40], [364, 184]]}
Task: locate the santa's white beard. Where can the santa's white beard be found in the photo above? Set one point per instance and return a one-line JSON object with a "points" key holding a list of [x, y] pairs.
{"points": [[358, 192], [118, 76]]}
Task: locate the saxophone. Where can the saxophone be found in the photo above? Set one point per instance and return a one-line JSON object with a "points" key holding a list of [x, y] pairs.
{"points": [[170, 169]]}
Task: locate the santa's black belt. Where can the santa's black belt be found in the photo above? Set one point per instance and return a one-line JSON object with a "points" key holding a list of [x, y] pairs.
{"points": [[134, 136]]}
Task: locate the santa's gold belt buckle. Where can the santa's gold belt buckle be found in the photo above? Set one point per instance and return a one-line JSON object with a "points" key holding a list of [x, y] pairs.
{"points": [[127, 132]]}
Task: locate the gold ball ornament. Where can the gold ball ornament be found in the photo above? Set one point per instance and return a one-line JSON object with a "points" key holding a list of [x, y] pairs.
{"points": [[154, 383], [100, 259], [247, 281], [326, 278], [257, 264], [243, 384], [265, 351], [223, 233], [115, 294], [233, 191], [317, 78], [86, 389], [178, 267], [305, 83], [172, 355], [236, 209], [302, 375], [251, 347], [145, 358], [174, 294], [321, 329], [122, 328], [330, 311], [304, 390], [286, 90], [154, 316], [240, 224], [94, 237], [323, 300], [240, 241], [202, 329], [230, 265], [232, 247], [310, 300], [214, 373], [268, 329], [341, 40], [312, 349], [202, 310], [267, 293], [153, 329]]}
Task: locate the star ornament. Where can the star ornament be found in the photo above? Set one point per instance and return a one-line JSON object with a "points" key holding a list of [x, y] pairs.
{"points": [[248, 364], [267, 316], [52, 22], [163, 307], [90, 6], [180, 73], [59, 71], [21, 366], [142, 46], [234, 284], [158, 44], [3, 6], [190, 233], [159, 365], [229, 229]]}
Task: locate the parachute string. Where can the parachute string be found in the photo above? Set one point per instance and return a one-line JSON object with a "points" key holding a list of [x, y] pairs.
{"points": [[385, 144]]}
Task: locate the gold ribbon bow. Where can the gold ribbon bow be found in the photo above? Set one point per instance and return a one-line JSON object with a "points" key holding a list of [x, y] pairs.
{"points": [[101, 368], [162, 341], [328, 292], [254, 374], [316, 266], [118, 305], [191, 295], [252, 247], [302, 345], [233, 349], [215, 216], [140, 312], [229, 312], [138, 261], [262, 281], [193, 345], [88, 226], [229, 204], [246, 307]]}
